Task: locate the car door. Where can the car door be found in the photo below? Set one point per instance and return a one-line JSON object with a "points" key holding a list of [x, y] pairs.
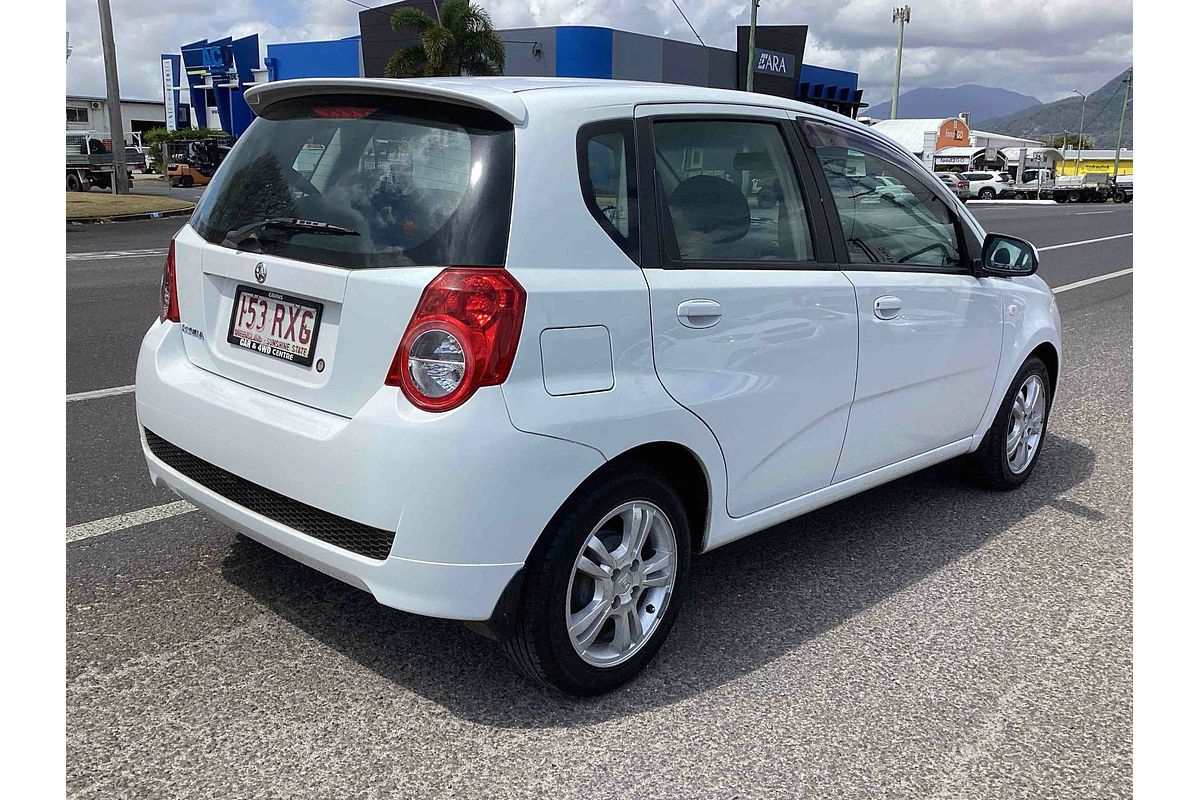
{"points": [[754, 325], [929, 330]]}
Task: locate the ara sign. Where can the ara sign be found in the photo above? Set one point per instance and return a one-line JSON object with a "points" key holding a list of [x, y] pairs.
{"points": [[772, 62]]}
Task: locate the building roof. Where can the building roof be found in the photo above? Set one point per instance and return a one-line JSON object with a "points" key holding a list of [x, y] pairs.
{"points": [[959, 151], [908, 133], [1013, 154], [97, 98], [1098, 155]]}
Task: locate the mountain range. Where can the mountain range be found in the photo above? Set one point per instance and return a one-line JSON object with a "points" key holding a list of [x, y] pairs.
{"points": [[981, 102], [1101, 117]]}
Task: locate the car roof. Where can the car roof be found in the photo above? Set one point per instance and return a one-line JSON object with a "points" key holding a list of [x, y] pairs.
{"points": [[511, 97]]}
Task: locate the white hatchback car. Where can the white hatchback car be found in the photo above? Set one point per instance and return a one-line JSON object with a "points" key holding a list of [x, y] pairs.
{"points": [[511, 351]]}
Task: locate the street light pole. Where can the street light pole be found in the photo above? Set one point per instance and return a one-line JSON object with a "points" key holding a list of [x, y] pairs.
{"points": [[750, 46], [1079, 141], [1121, 128], [901, 14], [116, 126]]}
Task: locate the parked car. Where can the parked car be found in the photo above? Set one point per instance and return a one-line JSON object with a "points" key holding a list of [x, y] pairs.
{"points": [[957, 184], [989, 185], [476, 377]]}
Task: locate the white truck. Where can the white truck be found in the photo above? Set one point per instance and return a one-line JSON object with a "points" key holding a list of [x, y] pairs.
{"points": [[90, 161], [1041, 183]]}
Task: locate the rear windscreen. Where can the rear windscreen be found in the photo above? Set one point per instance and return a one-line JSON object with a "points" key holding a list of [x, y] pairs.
{"points": [[373, 181]]}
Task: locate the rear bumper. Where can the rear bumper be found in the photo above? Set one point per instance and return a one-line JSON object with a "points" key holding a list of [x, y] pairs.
{"points": [[466, 493]]}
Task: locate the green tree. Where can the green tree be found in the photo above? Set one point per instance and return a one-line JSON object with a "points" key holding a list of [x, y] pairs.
{"points": [[461, 42], [1068, 141]]}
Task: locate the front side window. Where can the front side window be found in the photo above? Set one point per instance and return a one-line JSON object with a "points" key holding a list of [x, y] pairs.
{"points": [[730, 192], [889, 215], [608, 178]]}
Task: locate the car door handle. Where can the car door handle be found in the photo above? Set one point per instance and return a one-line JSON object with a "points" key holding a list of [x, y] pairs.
{"points": [[699, 313], [887, 307]]}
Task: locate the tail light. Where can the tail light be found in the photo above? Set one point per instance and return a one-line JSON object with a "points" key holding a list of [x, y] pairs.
{"points": [[169, 309], [462, 335]]}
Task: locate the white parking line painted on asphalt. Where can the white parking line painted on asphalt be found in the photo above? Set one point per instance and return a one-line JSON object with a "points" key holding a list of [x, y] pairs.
{"points": [[114, 391], [1086, 213], [86, 530], [113, 255], [1085, 241], [1089, 281]]}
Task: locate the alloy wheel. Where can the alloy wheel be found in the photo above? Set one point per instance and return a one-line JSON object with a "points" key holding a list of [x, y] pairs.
{"points": [[1026, 422], [621, 583]]}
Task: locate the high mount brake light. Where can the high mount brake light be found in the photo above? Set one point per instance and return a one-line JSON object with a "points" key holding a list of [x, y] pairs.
{"points": [[168, 310], [342, 112], [462, 335]]}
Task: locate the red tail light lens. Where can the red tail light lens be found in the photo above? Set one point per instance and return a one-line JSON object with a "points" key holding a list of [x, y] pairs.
{"points": [[169, 309], [462, 335]]}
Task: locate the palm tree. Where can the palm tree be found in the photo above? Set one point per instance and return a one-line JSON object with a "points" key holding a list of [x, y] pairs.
{"points": [[460, 42]]}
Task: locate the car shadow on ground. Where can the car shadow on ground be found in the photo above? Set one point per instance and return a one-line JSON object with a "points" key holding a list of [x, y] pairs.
{"points": [[746, 605]]}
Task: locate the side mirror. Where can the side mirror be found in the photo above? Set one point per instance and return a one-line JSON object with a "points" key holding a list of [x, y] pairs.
{"points": [[1008, 256]]}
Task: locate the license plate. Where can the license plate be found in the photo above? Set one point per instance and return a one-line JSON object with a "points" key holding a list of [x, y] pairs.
{"points": [[275, 324]]}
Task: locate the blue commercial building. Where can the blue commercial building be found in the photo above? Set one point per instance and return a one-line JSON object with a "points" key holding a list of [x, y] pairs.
{"points": [[218, 72]]}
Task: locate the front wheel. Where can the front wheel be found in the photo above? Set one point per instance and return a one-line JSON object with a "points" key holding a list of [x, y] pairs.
{"points": [[603, 586], [987, 193], [1011, 447]]}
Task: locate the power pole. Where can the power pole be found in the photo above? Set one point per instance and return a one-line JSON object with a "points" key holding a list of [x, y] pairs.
{"points": [[901, 14], [750, 46], [1121, 127], [1079, 141], [116, 126]]}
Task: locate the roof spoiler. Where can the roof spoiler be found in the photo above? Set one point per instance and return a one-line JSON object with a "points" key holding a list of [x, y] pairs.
{"points": [[499, 101]]}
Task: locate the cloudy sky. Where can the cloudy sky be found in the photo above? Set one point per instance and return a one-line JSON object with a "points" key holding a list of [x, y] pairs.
{"points": [[1043, 48]]}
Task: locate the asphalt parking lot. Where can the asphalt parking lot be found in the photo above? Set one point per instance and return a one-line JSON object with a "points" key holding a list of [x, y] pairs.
{"points": [[925, 639]]}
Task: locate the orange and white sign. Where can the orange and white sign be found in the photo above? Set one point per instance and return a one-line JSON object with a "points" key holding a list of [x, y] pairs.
{"points": [[953, 133]]}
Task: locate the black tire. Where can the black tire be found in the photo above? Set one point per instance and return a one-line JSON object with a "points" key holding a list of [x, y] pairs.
{"points": [[766, 199], [1073, 197], [990, 463], [540, 647], [987, 193], [73, 183], [186, 181]]}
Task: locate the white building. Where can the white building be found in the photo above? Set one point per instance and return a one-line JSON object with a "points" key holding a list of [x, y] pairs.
{"points": [[88, 113], [951, 143]]}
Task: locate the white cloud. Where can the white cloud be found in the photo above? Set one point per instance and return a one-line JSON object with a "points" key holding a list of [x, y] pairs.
{"points": [[1041, 48]]}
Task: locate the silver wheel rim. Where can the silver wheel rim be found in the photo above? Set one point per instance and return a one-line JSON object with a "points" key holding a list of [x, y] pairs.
{"points": [[621, 584], [1026, 422]]}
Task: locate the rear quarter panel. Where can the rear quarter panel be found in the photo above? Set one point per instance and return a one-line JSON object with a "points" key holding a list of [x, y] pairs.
{"points": [[576, 276]]}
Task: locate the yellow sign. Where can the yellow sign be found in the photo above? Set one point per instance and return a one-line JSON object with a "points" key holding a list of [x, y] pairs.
{"points": [[1087, 165]]}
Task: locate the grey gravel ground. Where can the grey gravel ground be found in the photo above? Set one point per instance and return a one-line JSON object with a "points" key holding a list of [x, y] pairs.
{"points": [[924, 640]]}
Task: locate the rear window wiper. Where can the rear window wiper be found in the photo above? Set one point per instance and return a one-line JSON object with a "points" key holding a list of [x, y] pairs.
{"points": [[236, 237]]}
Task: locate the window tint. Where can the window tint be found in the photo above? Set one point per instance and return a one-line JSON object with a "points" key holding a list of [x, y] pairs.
{"points": [[889, 215], [413, 182], [730, 192], [608, 177]]}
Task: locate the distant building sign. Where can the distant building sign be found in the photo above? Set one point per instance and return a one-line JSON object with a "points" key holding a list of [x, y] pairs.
{"points": [[170, 74], [952, 161], [772, 62], [953, 133]]}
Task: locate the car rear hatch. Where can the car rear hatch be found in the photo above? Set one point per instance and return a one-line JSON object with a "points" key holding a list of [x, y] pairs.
{"points": [[303, 262]]}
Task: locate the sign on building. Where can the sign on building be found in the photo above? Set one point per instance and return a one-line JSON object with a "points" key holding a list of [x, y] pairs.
{"points": [[928, 148], [170, 77], [772, 62]]}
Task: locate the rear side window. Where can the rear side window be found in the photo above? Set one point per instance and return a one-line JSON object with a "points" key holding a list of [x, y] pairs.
{"points": [[731, 192], [387, 181], [608, 178]]}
